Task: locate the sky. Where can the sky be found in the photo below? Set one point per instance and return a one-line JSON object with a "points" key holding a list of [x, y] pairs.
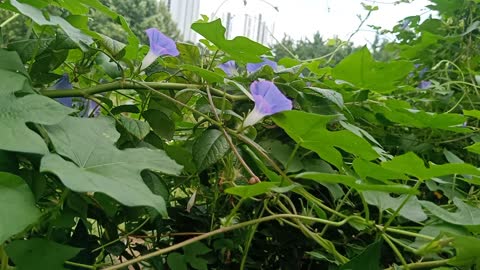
{"points": [[302, 18]]}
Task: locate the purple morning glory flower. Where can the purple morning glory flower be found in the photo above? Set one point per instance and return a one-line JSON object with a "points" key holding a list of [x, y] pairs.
{"points": [[160, 45], [268, 100], [229, 67], [64, 83], [90, 108], [424, 84], [252, 67]]}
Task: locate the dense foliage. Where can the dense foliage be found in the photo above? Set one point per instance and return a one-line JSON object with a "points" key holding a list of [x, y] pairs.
{"points": [[111, 157]]}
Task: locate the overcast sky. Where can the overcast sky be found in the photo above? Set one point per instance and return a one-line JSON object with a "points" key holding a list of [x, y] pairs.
{"points": [[302, 18]]}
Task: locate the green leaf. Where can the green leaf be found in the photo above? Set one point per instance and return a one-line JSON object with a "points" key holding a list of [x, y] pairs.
{"points": [[474, 148], [137, 128], [472, 113], [177, 261], [467, 253], [363, 71], [333, 96], [96, 165], [368, 259], [16, 112], [411, 164], [192, 253], [310, 131], [208, 75], [282, 152], [37, 253], [251, 190], [240, 48], [37, 16], [411, 210], [354, 182], [17, 206], [209, 148], [161, 124], [189, 53], [465, 215], [366, 169]]}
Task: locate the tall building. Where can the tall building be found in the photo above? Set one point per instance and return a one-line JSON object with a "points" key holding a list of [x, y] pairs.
{"points": [[184, 13], [255, 27]]}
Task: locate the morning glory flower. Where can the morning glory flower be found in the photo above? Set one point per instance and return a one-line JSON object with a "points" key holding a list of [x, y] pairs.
{"points": [[424, 84], [160, 45], [89, 107], [252, 67], [64, 83], [229, 67], [268, 100]]}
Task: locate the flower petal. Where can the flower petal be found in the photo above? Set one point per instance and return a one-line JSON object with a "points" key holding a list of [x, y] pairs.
{"points": [[252, 67], [160, 44], [229, 67], [268, 99], [64, 83]]}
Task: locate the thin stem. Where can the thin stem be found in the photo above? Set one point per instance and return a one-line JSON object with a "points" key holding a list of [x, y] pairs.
{"points": [[4, 260], [396, 251], [395, 214], [7, 21], [126, 235], [86, 266], [228, 138], [251, 233], [224, 230], [420, 265]]}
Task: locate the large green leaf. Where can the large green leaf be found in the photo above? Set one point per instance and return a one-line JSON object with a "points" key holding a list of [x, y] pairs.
{"points": [[411, 164], [363, 71], [411, 210], [251, 190], [467, 251], [355, 183], [96, 165], [368, 259], [34, 254], [17, 206], [310, 131], [465, 215], [209, 148], [240, 48], [37, 16], [15, 111]]}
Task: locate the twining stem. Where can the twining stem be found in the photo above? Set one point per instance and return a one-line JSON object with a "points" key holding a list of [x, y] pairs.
{"points": [[7, 21], [81, 265], [224, 230], [396, 251], [421, 265], [4, 258], [229, 139], [397, 211], [126, 235], [131, 84]]}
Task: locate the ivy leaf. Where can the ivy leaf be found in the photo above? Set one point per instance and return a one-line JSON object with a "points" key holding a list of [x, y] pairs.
{"points": [[466, 251], [177, 261], [251, 190], [209, 148], [368, 259], [240, 48], [192, 253], [137, 128], [354, 182], [37, 253], [96, 165], [15, 112], [17, 206], [411, 210], [310, 131], [363, 71], [411, 164], [333, 96], [465, 215]]}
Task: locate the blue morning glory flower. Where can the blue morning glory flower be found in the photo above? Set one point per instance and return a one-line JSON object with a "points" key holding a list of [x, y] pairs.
{"points": [[90, 107], [160, 45], [229, 67], [268, 100], [252, 67], [64, 83], [424, 84]]}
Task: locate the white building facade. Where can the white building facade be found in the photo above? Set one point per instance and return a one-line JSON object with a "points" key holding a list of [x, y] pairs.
{"points": [[184, 13]]}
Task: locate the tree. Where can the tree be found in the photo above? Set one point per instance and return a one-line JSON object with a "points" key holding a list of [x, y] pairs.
{"points": [[139, 14], [308, 49]]}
